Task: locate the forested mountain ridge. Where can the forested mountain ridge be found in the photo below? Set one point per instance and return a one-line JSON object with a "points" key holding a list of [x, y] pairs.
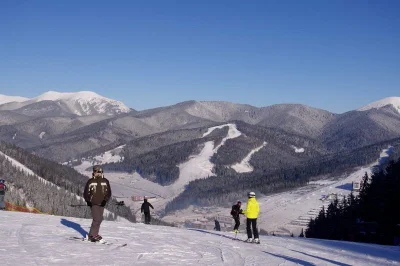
{"points": [[157, 156], [52, 188], [227, 185], [65, 136], [275, 148]]}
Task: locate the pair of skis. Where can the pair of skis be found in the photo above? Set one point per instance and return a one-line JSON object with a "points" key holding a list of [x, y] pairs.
{"points": [[235, 238], [102, 241]]}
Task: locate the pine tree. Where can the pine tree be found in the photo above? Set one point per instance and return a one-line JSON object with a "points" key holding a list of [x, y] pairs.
{"points": [[377, 205]]}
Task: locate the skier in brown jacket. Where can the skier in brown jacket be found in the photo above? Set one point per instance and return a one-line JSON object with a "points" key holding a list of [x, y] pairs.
{"points": [[97, 193]]}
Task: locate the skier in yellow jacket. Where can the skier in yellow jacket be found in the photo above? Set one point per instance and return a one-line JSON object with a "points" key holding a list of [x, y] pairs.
{"points": [[252, 211]]}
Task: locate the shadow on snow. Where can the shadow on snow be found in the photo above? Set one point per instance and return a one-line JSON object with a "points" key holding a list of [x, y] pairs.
{"points": [[347, 186], [77, 227], [374, 250], [324, 259], [294, 260], [211, 233]]}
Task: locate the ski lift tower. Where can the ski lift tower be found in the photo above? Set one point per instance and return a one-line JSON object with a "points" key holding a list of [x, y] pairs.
{"points": [[356, 186]]}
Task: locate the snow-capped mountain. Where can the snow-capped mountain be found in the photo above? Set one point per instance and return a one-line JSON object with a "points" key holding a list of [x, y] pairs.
{"points": [[8, 99], [85, 103], [80, 103], [394, 101]]}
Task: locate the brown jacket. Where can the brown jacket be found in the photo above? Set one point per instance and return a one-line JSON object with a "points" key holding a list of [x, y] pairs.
{"points": [[97, 189]]}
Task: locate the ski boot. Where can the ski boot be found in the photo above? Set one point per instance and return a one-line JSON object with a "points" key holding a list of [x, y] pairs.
{"points": [[97, 238], [249, 240], [256, 241], [94, 238]]}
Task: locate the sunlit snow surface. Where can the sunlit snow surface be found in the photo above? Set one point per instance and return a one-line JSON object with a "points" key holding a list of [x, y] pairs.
{"points": [[34, 239], [8, 99], [394, 101]]}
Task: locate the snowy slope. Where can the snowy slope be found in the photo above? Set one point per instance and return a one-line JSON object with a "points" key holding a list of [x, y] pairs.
{"points": [[298, 150], [8, 99], [394, 101], [199, 166], [290, 211], [111, 156], [244, 166], [35, 239]]}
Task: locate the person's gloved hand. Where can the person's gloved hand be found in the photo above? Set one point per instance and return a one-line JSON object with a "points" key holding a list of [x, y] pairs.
{"points": [[103, 203], [89, 203]]}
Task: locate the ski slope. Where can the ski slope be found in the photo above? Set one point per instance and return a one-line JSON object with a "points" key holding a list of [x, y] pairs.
{"points": [[244, 166], [287, 212], [35, 239], [291, 211], [126, 185]]}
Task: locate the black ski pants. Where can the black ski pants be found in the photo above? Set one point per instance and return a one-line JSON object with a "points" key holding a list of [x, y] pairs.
{"points": [[252, 223], [147, 217], [237, 223]]}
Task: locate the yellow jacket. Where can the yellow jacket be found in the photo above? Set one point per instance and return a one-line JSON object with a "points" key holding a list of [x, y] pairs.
{"points": [[252, 208]]}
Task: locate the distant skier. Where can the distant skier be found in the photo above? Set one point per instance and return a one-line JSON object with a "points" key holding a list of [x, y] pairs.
{"points": [[97, 193], [235, 212], [146, 209], [3, 189], [217, 225], [252, 211]]}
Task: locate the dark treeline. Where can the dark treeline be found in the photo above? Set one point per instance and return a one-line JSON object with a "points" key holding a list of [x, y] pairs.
{"points": [[234, 150], [223, 190], [152, 142], [161, 165], [372, 216], [156, 157], [228, 186], [53, 172], [145, 144], [395, 153], [100, 150], [283, 139], [28, 190], [44, 196], [278, 153]]}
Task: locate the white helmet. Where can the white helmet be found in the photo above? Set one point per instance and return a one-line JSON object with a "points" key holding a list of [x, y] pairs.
{"points": [[252, 194]]}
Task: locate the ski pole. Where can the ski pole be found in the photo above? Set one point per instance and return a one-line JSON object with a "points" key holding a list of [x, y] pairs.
{"points": [[83, 205]]}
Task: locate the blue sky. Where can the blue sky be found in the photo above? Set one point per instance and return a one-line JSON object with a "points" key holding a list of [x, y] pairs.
{"points": [[334, 55]]}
